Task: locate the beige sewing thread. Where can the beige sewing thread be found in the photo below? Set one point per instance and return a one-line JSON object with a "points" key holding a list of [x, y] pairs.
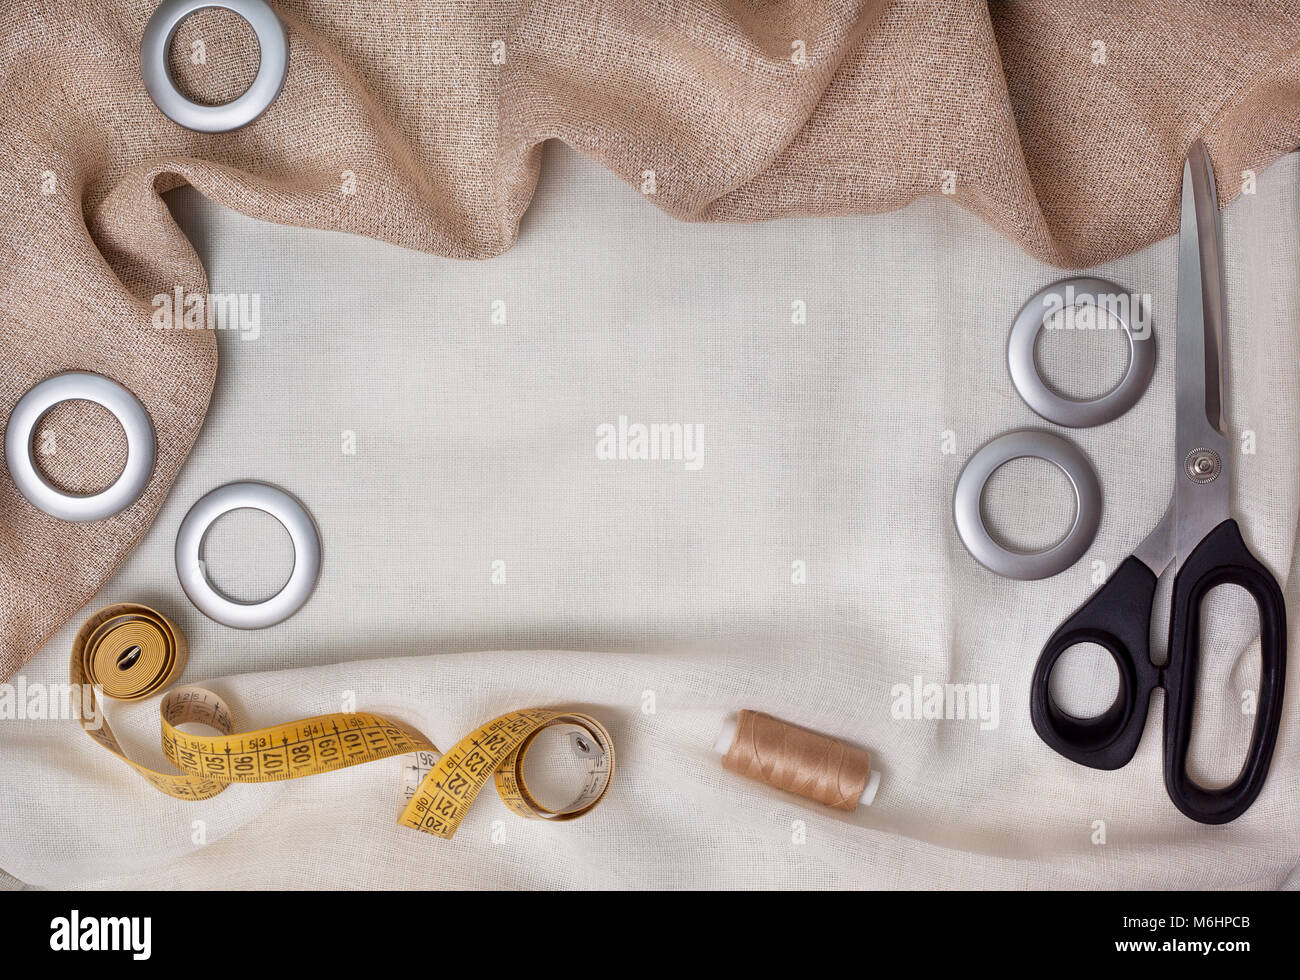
{"points": [[798, 761]]}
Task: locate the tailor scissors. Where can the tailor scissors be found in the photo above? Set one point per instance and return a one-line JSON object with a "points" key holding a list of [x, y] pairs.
{"points": [[1198, 536]]}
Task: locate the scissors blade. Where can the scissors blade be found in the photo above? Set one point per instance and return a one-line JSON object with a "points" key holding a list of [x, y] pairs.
{"points": [[1157, 550], [1202, 477]]}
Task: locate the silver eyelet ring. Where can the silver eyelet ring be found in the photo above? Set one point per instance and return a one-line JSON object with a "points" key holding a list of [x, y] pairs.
{"points": [[306, 555], [130, 414], [1024, 366], [1035, 444], [158, 82]]}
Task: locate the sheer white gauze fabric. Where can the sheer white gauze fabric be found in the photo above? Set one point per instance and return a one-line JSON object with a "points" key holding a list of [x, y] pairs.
{"points": [[442, 420]]}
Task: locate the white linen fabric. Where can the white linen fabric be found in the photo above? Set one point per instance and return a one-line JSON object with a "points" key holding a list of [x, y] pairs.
{"points": [[808, 568]]}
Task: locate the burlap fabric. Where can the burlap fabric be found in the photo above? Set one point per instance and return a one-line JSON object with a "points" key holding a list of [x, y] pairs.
{"points": [[420, 123]]}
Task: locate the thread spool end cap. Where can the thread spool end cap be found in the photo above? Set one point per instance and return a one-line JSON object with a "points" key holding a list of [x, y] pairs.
{"points": [[869, 791], [727, 735]]}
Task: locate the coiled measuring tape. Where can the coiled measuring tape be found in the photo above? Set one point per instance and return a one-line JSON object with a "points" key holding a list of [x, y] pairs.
{"points": [[131, 652]]}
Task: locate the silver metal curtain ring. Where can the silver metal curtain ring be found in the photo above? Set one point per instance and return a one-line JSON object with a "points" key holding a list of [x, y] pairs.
{"points": [[1071, 412], [274, 66], [130, 414], [306, 555], [1035, 444]]}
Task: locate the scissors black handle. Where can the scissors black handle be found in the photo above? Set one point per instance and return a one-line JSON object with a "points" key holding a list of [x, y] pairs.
{"points": [[1118, 618], [1221, 558]]}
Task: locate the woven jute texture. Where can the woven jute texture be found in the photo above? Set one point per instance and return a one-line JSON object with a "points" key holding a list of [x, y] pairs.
{"points": [[420, 122]]}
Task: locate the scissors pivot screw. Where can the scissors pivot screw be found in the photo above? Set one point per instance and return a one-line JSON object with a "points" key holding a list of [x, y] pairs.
{"points": [[1203, 465]]}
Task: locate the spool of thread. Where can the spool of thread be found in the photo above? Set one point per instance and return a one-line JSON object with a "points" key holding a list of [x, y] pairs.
{"points": [[816, 767]]}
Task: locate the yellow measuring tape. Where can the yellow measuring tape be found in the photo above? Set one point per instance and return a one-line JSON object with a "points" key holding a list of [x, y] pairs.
{"points": [[131, 652]]}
